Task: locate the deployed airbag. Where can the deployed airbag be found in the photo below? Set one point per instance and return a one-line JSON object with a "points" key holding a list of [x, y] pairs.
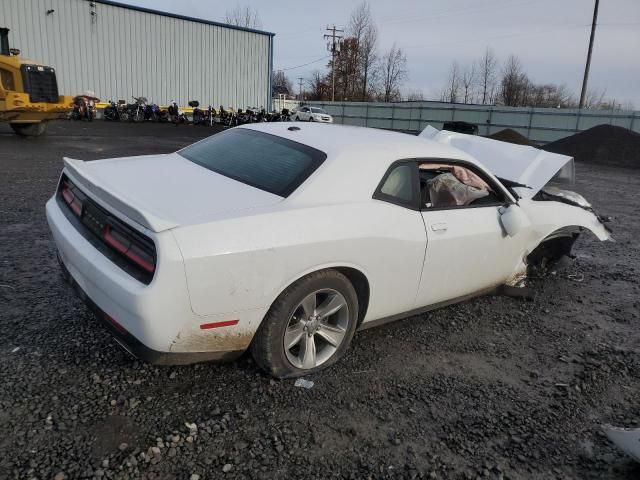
{"points": [[446, 190]]}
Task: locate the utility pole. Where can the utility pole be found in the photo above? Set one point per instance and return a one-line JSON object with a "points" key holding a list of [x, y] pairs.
{"points": [[583, 93], [300, 79], [334, 47]]}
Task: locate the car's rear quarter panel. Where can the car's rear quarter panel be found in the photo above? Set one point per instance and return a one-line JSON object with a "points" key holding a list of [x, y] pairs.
{"points": [[244, 263]]}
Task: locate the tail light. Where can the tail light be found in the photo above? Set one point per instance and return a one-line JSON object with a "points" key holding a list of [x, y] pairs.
{"points": [[73, 197], [125, 246]]}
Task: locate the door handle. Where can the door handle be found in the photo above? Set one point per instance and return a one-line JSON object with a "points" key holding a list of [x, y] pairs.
{"points": [[438, 226]]}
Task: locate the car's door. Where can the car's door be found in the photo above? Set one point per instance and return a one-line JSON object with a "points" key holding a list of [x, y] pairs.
{"points": [[400, 241], [467, 249], [304, 113]]}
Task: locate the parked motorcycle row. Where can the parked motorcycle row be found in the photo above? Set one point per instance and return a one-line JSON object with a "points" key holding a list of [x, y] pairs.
{"points": [[140, 110]]}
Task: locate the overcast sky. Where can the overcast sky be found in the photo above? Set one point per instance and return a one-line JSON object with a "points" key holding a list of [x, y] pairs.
{"points": [[549, 36]]}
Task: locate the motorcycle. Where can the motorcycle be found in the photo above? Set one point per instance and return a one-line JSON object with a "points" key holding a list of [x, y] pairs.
{"points": [[153, 113], [208, 116], [227, 117], [111, 113], [84, 106], [198, 114], [123, 111], [176, 115], [137, 110]]}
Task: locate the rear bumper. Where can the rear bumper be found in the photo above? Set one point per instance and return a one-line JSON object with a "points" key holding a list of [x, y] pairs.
{"points": [[134, 346], [154, 322]]}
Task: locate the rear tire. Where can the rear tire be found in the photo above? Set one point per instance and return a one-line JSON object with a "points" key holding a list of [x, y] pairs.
{"points": [[297, 118], [319, 327], [29, 129]]}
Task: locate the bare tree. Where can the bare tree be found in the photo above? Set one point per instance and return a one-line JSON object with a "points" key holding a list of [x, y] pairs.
{"points": [[364, 31], [415, 96], [515, 85], [319, 87], [468, 82], [452, 90], [487, 74], [595, 98], [280, 81], [393, 71], [243, 17]]}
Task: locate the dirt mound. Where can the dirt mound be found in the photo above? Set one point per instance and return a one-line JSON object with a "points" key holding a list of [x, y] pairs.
{"points": [[511, 136], [602, 144]]}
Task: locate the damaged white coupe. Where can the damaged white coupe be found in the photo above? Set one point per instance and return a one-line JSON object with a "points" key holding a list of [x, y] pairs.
{"points": [[286, 238]]}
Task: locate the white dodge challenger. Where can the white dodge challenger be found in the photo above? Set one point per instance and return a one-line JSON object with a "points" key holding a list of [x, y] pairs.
{"points": [[286, 238]]}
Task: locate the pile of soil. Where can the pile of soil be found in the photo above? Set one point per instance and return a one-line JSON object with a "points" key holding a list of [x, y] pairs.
{"points": [[603, 145], [511, 136]]}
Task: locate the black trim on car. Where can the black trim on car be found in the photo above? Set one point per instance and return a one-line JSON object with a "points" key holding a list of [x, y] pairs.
{"points": [[88, 224], [414, 204], [498, 187], [134, 346]]}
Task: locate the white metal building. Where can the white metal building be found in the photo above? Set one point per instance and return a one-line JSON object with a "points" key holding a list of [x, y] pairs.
{"points": [[119, 51]]}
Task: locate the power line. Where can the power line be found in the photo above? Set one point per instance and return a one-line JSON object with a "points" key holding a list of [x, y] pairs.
{"points": [[304, 64], [457, 12], [492, 37]]}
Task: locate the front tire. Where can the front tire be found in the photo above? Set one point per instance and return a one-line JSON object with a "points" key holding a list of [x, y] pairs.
{"points": [[29, 129], [309, 327]]}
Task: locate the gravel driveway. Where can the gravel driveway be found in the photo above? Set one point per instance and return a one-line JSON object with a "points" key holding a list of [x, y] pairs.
{"points": [[493, 388]]}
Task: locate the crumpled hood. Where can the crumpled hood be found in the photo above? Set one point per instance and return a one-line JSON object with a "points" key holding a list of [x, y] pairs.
{"points": [[518, 163], [164, 191]]}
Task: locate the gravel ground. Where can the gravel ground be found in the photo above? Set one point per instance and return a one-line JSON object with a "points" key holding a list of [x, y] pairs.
{"points": [[492, 388]]}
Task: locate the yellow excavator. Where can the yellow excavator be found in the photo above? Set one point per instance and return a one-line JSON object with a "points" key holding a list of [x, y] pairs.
{"points": [[28, 92]]}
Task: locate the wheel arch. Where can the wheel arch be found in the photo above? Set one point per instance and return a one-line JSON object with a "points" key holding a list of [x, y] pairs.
{"points": [[559, 242], [354, 274]]}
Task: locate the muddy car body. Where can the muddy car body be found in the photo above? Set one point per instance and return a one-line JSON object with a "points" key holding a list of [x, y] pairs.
{"points": [[288, 238]]}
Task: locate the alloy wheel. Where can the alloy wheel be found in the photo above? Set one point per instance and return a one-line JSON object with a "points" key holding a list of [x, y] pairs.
{"points": [[316, 328]]}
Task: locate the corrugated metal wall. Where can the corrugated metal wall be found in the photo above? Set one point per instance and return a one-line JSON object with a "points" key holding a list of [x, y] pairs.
{"points": [[540, 125], [120, 52]]}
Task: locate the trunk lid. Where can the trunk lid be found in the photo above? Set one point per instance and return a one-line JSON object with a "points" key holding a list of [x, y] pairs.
{"points": [[518, 163], [161, 192]]}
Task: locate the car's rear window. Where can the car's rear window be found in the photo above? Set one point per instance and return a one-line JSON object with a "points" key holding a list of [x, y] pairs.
{"points": [[264, 161]]}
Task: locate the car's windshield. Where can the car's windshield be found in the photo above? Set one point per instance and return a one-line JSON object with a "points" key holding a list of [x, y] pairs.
{"points": [[318, 110], [264, 161]]}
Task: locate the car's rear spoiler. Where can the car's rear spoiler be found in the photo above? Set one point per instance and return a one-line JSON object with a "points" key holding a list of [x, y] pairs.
{"points": [[520, 164], [80, 174]]}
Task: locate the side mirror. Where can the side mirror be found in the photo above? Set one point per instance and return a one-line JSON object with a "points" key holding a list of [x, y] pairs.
{"points": [[513, 219]]}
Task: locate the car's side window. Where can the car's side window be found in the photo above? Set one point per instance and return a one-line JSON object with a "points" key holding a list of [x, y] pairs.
{"points": [[399, 185], [453, 184]]}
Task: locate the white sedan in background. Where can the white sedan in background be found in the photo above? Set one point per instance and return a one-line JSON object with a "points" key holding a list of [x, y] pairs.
{"points": [[312, 114], [286, 238]]}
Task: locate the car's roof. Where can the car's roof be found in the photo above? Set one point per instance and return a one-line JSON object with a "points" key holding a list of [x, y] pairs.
{"points": [[332, 138], [357, 158]]}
